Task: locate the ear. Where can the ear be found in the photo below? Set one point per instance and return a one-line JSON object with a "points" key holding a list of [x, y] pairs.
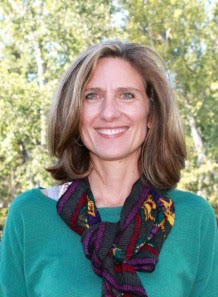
{"points": [[149, 124], [149, 121]]}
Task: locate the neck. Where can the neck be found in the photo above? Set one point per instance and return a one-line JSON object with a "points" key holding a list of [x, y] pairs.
{"points": [[111, 181]]}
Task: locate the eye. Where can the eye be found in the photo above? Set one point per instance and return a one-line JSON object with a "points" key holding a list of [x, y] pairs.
{"points": [[91, 96], [128, 95]]}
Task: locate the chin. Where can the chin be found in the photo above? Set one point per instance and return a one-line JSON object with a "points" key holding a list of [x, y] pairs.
{"points": [[116, 156], [109, 157]]}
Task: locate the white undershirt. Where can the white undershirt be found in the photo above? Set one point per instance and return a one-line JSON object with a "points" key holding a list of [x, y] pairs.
{"points": [[57, 191]]}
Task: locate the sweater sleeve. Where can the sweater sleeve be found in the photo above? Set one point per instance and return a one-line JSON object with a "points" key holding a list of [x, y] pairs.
{"points": [[12, 277], [206, 284]]}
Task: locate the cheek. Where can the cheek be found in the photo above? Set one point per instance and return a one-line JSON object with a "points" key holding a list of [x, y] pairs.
{"points": [[142, 123], [84, 131], [84, 120], [85, 128], [88, 114], [141, 116], [84, 135]]}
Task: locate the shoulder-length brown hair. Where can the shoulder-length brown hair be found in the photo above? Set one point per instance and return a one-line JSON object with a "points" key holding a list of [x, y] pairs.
{"points": [[163, 152]]}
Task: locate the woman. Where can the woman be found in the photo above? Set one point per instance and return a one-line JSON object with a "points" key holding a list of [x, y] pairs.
{"points": [[120, 228]]}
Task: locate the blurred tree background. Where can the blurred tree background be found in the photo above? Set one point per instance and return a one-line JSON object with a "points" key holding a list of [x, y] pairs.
{"points": [[40, 38]]}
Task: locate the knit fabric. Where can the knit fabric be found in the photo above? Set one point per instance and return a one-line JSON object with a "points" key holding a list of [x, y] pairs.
{"points": [[41, 257], [118, 250]]}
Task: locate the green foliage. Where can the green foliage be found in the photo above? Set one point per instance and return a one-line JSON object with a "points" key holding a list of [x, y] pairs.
{"points": [[185, 35], [3, 215], [39, 39]]}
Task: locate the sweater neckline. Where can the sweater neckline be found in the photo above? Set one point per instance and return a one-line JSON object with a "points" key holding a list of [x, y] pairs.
{"points": [[111, 214], [39, 189]]}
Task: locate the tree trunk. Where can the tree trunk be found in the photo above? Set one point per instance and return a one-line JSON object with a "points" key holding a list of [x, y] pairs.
{"points": [[40, 72], [198, 142]]}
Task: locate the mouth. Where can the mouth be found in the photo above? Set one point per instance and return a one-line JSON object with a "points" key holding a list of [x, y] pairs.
{"points": [[112, 132]]}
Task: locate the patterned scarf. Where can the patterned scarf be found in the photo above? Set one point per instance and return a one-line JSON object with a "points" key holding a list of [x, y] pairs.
{"points": [[118, 250]]}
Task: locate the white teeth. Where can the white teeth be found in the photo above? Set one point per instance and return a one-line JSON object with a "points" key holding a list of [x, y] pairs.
{"points": [[111, 131]]}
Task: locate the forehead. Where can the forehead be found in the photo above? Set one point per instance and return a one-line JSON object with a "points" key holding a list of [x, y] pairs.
{"points": [[116, 71]]}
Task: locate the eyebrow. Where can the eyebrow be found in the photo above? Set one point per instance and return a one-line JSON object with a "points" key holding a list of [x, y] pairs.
{"points": [[96, 89]]}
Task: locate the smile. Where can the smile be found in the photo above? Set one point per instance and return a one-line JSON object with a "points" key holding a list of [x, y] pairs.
{"points": [[111, 132]]}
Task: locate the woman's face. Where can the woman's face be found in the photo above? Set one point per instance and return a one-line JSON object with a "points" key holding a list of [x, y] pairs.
{"points": [[114, 116]]}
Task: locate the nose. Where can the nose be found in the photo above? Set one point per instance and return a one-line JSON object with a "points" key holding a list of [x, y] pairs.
{"points": [[110, 108]]}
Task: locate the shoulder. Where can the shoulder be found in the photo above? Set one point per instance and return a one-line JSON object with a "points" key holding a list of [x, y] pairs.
{"points": [[188, 198], [36, 200], [31, 199], [27, 197], [31, 210], [191, 203]]}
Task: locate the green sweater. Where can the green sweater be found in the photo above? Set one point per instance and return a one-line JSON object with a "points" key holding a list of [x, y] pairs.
{"points": [[42, 257]]}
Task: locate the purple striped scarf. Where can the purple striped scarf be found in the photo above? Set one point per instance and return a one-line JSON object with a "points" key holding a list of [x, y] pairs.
{"points": [[118, 250]]}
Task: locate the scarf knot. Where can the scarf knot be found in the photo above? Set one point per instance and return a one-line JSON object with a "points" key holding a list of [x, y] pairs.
{"points": [[118, 250]]}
